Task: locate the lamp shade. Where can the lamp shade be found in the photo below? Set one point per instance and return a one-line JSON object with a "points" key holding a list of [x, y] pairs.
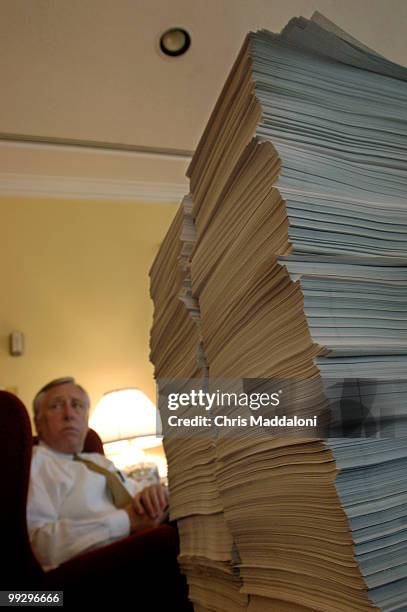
{"points": [[123, 414]]}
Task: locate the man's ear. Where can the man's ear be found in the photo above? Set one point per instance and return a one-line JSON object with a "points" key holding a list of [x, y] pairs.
{"points": [[37, 423]]}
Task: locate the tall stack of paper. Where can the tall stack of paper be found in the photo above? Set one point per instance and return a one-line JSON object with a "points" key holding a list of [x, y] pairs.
{"points": [[206, 546], [298, 273]]}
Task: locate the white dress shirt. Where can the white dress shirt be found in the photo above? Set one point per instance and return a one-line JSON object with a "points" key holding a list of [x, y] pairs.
{"points": [[70, 509]]}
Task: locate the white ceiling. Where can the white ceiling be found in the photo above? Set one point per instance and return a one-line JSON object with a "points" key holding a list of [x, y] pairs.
{"points": [[90, 70]]}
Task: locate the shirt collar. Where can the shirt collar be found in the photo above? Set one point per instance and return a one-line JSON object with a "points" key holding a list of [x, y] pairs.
{"points": [[52, 451]]}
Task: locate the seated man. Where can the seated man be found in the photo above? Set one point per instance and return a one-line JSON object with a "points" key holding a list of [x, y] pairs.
{"points": [[79, 501]]}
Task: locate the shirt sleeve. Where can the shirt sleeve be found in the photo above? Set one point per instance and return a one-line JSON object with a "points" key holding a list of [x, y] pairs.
{"points": [[54, 539]]}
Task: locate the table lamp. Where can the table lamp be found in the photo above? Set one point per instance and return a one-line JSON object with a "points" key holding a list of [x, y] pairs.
{"points": [[130, 427]]}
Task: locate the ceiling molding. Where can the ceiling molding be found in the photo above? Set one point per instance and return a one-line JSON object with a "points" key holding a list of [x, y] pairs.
{"points": [[89, 189], [94, 145]]}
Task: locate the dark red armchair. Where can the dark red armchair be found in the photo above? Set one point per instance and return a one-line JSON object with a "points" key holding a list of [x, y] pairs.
{"points": [[139, 567]]}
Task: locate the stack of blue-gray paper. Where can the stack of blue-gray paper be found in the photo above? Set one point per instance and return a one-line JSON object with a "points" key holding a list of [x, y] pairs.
{"points": [[346, 203]]}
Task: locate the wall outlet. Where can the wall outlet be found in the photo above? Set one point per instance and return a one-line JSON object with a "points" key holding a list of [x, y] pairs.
{"points": [[16, 340]]}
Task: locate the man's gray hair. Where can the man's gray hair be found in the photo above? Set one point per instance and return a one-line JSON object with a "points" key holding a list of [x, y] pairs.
{"points": [[66, 380]]}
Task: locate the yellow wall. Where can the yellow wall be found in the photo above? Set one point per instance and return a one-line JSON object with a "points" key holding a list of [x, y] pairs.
{"points": [[74, 278]]}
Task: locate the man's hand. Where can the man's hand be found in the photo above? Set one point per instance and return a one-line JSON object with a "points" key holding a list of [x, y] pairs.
{"points": [[152, 500], [141, 522]]}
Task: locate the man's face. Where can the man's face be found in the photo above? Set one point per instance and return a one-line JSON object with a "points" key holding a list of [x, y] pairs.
{"points": [[62, 421]]}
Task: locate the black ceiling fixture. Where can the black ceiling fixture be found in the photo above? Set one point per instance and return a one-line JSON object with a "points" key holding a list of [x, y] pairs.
{"points": [[175, 41]]}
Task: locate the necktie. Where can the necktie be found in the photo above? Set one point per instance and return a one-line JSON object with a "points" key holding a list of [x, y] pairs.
{"points": [[121, 496]]}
